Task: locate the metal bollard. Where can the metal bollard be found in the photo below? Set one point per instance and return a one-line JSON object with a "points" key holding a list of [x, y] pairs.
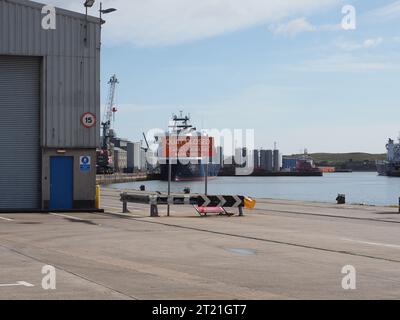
{"points": [[241, 212], [341, 199], [153, 210], [97, 197], [399, 205], [124, 204]]}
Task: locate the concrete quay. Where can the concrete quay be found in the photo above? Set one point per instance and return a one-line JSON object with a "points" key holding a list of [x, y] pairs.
{"points": [[281, 250], [106, 179]]}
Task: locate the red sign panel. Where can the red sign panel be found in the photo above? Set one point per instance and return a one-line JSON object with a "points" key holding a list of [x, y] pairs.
{"points": [[187, 147]]}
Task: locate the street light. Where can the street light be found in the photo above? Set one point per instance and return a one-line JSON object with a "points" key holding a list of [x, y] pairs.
{"points": [[89, 3], [105, 11]]}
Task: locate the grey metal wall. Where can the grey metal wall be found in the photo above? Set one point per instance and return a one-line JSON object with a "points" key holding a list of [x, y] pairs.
{"points": [[20, 154], [70, 71]]}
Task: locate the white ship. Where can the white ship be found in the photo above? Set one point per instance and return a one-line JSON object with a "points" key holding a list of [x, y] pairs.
{"points": [[391, 166]]}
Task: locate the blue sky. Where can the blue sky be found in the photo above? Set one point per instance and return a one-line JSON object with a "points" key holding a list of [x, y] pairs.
{"points": [[284, 68]]}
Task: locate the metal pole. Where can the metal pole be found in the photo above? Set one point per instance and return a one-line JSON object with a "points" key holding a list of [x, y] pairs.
{"points": [[206, 179], [169, 183], [86, 26]]}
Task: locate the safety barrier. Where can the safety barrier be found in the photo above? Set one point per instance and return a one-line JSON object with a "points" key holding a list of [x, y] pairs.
{"points": [[204, 201]]}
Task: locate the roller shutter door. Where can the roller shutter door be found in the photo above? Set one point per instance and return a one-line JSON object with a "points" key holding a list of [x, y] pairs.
{"points": [[20, 155]]}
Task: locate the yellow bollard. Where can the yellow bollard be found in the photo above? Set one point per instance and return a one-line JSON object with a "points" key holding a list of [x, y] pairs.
{"points": [[249, 203], [97, 197]]}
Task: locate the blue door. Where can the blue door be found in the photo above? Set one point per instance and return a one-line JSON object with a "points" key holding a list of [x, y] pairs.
{"points": [[61, 183]]}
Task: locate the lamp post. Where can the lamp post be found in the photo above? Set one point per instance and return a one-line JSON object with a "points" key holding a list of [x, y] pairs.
{"points": [[105, 11], [87, 4]]}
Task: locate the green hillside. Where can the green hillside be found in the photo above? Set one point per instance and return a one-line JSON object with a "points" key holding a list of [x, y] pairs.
{"points": [[337, 158]]}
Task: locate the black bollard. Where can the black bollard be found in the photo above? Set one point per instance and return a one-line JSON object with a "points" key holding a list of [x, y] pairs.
{"points": [[154, 211], [142, 188], [341, 199], [186, 191]]}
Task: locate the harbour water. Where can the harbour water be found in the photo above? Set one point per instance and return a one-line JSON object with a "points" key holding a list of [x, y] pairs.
{"points": [[359, 187]]}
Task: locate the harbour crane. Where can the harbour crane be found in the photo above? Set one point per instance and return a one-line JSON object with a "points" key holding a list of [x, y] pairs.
{"points": [[104, 155], [109, 113]]}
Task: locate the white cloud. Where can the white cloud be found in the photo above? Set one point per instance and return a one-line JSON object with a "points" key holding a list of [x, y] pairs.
{"points": [[330, 27], [348, 63], [165, 22], [366, 44], [294, 27], [372, 43], [387, 12]]}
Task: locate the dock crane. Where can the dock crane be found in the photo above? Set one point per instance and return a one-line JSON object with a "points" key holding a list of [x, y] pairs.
{"points": [[147, 147], [104, 163]]}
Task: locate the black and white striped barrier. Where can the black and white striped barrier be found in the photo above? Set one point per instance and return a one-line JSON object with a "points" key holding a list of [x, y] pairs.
{"points": [[200, 201]]}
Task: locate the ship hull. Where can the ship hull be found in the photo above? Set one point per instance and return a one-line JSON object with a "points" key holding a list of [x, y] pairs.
{"points": [[388, 169], [191, 172]]}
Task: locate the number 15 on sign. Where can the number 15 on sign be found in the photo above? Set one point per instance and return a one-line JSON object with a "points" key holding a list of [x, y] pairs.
{"points": [[88, 120]]}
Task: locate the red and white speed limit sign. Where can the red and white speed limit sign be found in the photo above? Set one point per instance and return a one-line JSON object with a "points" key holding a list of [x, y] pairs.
{"points": [[88, 120]]}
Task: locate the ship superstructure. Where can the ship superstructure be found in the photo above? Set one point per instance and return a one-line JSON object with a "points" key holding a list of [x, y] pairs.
{"points": [[193, 167], [390, 167]]}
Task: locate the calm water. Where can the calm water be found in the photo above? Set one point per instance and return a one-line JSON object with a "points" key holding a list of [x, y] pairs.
{"points": [[359, 187]]}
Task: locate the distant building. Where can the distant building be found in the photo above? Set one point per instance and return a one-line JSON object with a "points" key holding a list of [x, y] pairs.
{"points": [[134, 156], [266, 160], [120, 143], [256, 156], [289, 163], [277, 161], [219, 156], [120, 159], [241, 157], [143, 160]]}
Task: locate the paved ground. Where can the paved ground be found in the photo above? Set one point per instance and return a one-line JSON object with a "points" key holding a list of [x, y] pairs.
{"points": [[281, 250]]}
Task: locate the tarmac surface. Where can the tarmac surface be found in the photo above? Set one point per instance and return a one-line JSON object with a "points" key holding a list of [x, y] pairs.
{"points": [[281, 250]]}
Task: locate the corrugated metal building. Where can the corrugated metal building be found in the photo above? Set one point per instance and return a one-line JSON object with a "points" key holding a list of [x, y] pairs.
{"points": [[49, 103]]}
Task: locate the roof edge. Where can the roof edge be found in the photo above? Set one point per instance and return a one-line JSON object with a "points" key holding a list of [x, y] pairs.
{"points": [[60, 11]]}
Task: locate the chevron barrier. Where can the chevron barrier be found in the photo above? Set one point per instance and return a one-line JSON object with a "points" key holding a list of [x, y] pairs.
{"points": [[200, 200]]}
